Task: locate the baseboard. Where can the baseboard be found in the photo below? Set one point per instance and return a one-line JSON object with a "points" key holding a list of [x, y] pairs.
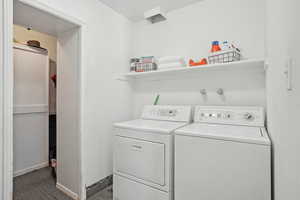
{"points": [[67, 191], [100, 185], [31, 169]]}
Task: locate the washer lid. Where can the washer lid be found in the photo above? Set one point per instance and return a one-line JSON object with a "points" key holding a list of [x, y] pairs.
{"points": [[151, 125], [246, 134]]}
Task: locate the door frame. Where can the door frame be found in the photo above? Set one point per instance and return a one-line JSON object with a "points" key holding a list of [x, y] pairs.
{"points": [[6, 100], [6, 73]]}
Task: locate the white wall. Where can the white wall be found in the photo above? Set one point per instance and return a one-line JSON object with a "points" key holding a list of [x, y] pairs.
{"points": [[283, 106], [188, 32], [106, 44]]}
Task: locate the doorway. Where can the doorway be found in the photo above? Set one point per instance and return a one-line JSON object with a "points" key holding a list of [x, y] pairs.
{"points": [[34, 117], [68, 32]]}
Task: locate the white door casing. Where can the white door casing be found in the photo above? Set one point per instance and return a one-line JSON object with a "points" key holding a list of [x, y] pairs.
{"points": [[68, 143], [6, 99], [6, 92]]}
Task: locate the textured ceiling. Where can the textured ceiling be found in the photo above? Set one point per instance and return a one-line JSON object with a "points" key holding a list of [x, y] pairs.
{"points": [[134, 9], [27, 16]]}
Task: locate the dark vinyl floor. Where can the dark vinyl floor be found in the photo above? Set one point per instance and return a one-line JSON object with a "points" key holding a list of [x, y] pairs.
{"points": [[40, 185], [105, 194]]}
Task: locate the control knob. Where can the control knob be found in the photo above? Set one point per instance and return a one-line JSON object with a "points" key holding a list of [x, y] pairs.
{"points": [[248, 116]]}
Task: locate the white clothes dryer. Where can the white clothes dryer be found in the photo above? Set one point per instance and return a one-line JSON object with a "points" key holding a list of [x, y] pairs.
{"points": [[143, 153]]}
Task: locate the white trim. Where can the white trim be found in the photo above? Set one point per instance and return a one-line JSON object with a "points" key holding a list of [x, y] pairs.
{"points": [[31, 169], [45, 8], [1, 102], [7, 79], [7, 103], [81, 87], [60, 102], [29, 109], [67, 191]]}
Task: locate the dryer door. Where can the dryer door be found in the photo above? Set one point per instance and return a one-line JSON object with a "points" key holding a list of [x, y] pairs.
{"points": [[140, 159]]}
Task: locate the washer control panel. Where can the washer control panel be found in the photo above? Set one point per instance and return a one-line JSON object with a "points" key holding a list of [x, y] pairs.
{"points": [[168, 113], [252, 116]]}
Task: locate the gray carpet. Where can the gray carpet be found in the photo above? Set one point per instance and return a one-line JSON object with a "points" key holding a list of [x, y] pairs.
{"points": [[40, 185]]}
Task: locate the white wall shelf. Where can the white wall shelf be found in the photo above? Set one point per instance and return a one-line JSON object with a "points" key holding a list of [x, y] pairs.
{"points": [[244, 65]]}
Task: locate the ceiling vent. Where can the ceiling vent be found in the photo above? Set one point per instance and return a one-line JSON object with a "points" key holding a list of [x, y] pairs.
{"points": [[155, 15]]}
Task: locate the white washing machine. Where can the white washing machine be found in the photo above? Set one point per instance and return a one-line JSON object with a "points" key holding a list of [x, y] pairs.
{"points": [[224, 155], [143, 153]]}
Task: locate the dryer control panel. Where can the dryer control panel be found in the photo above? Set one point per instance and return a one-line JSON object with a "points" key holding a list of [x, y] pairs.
{"points": [[168, 113], [249, 116]]}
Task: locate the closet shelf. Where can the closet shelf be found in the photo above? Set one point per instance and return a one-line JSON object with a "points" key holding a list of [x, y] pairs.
{"points": [[244, 65]]}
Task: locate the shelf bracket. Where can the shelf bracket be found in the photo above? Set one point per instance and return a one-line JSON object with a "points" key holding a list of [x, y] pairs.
{"points": [[121, 78]]}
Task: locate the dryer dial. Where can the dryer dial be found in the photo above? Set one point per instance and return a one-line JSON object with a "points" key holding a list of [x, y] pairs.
{"points": [[248, 116]]}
